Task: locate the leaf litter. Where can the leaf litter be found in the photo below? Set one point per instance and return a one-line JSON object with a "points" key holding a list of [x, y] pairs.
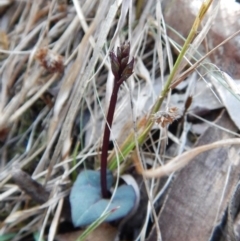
{"points": [[42, 113]]}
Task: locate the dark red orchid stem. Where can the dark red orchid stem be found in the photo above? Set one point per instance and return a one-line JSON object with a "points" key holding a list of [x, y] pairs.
{"points": [[121, 70], [106, 137]]}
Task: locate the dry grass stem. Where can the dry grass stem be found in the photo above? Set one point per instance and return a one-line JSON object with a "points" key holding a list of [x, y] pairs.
{"points": [[182, 160], [55, 87]]}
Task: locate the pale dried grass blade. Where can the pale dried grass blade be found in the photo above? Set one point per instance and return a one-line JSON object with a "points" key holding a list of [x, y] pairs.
{"points": [[81, 87], [31, 101], [55, 222], [181, 161], [18, 216], [232, 84], [8, 193], [122, 19]]}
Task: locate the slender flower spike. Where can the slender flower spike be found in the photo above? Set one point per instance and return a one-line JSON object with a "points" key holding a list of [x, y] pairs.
{"points": [[121, 69]]}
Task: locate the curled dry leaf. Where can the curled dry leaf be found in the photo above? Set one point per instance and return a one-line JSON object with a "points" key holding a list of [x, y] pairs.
{"points": [[181, 161], [50, 60]]}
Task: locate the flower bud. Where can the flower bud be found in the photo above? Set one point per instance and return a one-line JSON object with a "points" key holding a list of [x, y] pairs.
{"points": [[125, 50], [115, 65], [120, 67], [124, 62], [119, 54], [127, 72]]}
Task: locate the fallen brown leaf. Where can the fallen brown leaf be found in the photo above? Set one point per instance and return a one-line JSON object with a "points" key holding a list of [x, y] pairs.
{"points": [[200, 193]]}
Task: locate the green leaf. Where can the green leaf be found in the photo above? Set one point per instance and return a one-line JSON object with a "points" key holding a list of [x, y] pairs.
{"points": [[87, 204]]}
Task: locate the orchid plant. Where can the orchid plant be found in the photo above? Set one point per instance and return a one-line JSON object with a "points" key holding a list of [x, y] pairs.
{"points": [[90, 195]]}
